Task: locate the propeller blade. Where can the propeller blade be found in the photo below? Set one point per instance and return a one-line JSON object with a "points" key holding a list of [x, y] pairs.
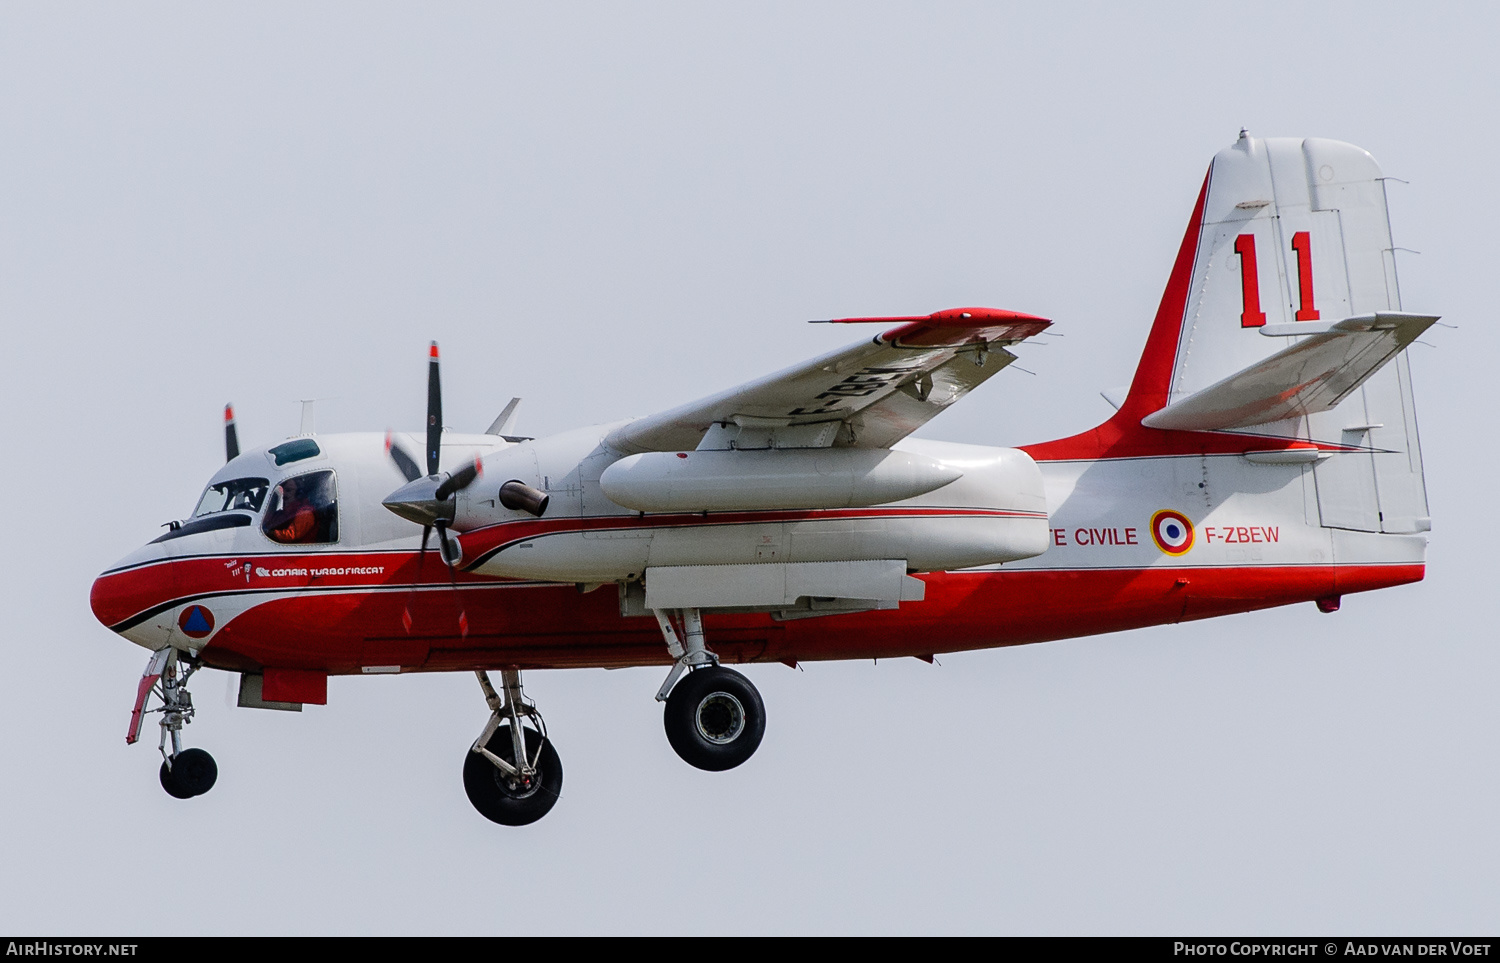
{"points": [[404, 462], [459, 480], [434, 410], [446, 549], [422, 555], [231, 437]]}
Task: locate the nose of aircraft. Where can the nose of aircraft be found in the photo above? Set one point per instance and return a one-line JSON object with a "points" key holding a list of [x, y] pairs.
{"points": [[135, 593]]}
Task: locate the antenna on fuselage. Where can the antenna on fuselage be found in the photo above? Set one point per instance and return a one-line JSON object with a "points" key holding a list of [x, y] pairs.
{"points": [[307, 417], [505, 422]]}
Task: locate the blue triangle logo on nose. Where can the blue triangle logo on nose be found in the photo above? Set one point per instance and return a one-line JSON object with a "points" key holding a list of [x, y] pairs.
{"points": [[195, 621]]}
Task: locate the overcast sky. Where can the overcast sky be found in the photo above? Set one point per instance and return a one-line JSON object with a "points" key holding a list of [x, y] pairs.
{"points": [[609, 210]]}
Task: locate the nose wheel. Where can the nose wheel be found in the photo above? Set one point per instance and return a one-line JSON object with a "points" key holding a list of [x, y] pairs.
{"points": [[192, 772], [714, 717]]}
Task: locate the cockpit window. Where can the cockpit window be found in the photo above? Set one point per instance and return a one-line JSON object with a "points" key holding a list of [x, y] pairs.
{"points": [[294, 450], [303, 510], [242, 495]]}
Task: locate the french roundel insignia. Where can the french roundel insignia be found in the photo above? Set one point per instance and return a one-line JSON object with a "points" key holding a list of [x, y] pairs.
{"points": [[195, 621], [1172, 532]]}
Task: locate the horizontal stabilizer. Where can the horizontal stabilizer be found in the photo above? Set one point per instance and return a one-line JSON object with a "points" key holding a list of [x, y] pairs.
{"points": [[1310, 376]]}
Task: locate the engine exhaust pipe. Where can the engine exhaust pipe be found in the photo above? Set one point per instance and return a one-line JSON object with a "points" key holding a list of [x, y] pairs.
{"points": [[521, 497]]}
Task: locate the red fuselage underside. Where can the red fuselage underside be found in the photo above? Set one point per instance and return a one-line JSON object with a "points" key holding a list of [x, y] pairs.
{"points": [[335, 624]]}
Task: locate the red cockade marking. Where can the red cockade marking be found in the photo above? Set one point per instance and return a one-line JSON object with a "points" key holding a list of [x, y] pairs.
{"points": [[1302, 244], [1253, 316]]}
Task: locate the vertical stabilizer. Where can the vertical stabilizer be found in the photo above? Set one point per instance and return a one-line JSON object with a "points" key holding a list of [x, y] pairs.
{"points": [[1293, 232], [1287, 235]]}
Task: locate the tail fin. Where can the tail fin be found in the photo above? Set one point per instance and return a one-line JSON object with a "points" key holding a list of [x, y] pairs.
{"points": [[1286, 233], [1293, 231]]}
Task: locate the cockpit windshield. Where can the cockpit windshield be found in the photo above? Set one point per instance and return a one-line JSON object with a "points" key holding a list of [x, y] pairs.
{"points": [[241, 494]]}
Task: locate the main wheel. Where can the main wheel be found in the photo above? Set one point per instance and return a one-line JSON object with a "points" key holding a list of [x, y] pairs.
{"points": [[503, 798], [715, 719], [192, 773]]}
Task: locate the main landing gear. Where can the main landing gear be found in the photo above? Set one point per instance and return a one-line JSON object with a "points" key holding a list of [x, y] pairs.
{"points": [[714, 717], [512, 773], [184, 773]]}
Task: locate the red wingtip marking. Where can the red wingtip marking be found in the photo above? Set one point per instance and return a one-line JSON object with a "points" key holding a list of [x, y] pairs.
{"points": [[957, 317]]}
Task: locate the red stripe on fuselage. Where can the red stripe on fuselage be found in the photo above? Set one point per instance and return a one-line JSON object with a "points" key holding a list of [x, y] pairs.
{"points": [[554, 626]]}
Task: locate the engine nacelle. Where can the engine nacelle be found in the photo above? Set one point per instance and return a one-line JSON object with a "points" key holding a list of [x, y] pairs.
{"points": [[730, 481], [991, 510]]}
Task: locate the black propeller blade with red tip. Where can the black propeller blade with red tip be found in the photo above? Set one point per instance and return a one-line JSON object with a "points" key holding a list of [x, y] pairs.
{"points": [[428, 500], [434, 410], [231, 437]]}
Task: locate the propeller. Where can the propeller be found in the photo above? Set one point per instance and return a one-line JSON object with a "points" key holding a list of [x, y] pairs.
{"points": [[428, 499], [231, 437]]}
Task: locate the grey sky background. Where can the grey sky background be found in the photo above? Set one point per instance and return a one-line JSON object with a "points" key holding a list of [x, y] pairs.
{"points": [[611, 209]]}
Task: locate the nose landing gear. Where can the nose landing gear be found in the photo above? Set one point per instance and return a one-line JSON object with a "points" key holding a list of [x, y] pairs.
{"points": [[184, 773], [512, 773], [714, 717]]}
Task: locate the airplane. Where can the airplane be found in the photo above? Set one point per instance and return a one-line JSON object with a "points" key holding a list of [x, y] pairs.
{"points": [[1264, 454]]}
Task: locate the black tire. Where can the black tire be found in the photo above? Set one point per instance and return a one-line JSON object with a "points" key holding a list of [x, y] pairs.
{"points": [[498, 796], [715, 719], [192, 773]]}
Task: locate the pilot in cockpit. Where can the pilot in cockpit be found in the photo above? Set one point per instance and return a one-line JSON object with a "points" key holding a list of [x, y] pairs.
{"points": [[303, 510], [294, 519]]}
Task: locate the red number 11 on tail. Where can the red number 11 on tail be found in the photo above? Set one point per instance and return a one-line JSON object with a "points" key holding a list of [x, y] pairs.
{"points": [[1253, 316]]}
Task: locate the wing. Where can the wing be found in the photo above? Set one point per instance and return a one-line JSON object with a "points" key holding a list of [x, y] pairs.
{"points": [[868, 395]]}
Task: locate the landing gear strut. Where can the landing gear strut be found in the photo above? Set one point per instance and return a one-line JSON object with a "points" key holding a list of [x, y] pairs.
{"points": [[714, 717], [184, 773], [512, 773]]}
